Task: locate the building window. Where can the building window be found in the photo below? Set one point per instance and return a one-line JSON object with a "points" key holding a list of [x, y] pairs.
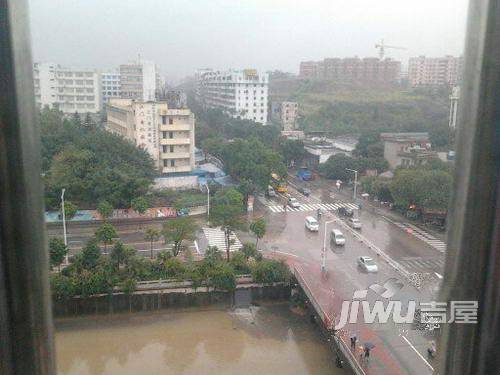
{"points": [[164, 135], [171, 135], [171, 148], [164, 120], [172, 163], [170, 121], [164, 147], [165, 162]]}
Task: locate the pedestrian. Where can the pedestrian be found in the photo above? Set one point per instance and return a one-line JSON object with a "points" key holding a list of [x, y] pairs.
{"points": [[367, 354], [354, 339]]}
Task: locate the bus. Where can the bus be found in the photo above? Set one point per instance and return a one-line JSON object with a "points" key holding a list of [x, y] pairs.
{"points": [[278, 183]]}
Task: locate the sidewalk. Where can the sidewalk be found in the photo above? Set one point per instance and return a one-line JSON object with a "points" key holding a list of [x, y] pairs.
{"points": [[328, 299]]}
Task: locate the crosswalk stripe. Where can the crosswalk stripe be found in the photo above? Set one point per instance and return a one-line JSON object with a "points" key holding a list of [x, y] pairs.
{"points": [[273, 208], [306, 206]]}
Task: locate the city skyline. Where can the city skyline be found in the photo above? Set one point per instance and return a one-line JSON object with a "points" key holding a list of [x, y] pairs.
{"points": [[173, 29]]}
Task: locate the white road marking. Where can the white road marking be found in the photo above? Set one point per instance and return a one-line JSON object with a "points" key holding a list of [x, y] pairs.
{"points": [[196, 246], [438, 275], [418, 353]]}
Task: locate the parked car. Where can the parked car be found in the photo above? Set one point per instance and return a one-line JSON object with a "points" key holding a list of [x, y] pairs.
{"points": [[337, 237], [312, 224], [304, 174], [305, 191], [183, 212], [293, 202], [346, 211], [354, 223], [367, 264]]}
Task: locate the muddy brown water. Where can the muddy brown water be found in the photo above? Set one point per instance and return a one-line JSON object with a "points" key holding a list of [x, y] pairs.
{"points": [[266, 339]]}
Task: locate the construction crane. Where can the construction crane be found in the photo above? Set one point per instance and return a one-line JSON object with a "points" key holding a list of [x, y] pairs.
{"points": [[381, 46]]}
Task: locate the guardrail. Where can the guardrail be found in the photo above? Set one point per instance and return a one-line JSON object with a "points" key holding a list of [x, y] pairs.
{"points": [[344, 348]]}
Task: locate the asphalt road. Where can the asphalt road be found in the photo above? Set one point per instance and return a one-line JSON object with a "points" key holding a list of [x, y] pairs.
{"points": [[397, 253]]}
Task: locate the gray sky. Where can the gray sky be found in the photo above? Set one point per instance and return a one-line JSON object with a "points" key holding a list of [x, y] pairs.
{"points": [[183, 35]]}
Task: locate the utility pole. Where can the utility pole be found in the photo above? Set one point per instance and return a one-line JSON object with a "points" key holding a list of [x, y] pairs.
{"points": [[323, 252], [355, 182]]}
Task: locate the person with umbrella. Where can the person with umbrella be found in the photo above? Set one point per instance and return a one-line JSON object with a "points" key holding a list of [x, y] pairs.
{"points": [[366, 350], [354, 339]]}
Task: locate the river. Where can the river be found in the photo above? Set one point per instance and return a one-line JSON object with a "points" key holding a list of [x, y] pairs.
{"points": [[266, 339]]}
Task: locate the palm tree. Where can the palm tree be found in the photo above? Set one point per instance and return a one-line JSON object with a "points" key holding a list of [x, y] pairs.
{"points": [[152, 235]]}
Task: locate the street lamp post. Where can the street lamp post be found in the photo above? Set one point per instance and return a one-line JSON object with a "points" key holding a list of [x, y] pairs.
{"points": [[208, 201], [355, 182], [64, 222], [323, 253]]}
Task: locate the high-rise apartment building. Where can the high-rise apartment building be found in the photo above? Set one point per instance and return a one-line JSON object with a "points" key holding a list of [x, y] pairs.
{"points": [[68, 89], [435, 71], [110, 86], [239, 93], [166, 134], [369, 69], [285, 114], [139, 80]]}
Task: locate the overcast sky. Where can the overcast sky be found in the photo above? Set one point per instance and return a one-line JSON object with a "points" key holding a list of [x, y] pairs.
{"points": [[183, 35]]}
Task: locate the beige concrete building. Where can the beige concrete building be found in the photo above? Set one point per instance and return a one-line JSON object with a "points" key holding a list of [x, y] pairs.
{"points": [[166, 134], [435, 71], [407, 149], [285, 114]]}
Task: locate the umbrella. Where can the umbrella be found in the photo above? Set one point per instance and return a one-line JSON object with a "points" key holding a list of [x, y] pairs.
{"points": [[369, 345]]}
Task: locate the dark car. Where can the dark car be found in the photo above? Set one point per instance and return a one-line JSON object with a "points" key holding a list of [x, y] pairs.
{"points": [[305, 191], [346, 211]]}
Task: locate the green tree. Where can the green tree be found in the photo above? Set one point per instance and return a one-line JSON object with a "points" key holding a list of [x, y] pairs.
{"points": [[268, 271], [292, 150], [76, 119], [129, 286], [88, 123], [249, 250], [70, 210], [152, 235], [177, 230], [120, 254], [105, 234], [90, 256], [258, 227], [335, 167], [139, 204], [223, 277], [105, 209], [226, 212], [57, 251]]}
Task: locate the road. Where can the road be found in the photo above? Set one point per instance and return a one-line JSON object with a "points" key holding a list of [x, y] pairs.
{"points": [[398, 253]]}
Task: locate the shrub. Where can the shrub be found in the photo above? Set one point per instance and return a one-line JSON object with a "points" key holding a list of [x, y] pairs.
{"points": [[129, 286], [268, 271], [223, 277], [239, 263], [62, 287]]}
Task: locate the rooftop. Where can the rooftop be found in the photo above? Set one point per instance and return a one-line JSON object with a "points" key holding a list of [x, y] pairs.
{"points": [[405, 137]]}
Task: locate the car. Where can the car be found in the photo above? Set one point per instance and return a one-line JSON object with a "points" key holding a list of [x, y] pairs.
{"points": [[183, 212], [270, 192], [337, 237], [312, 224], [305, 191], [293, 202], [346, 211], [367, 264], [354, 223]]}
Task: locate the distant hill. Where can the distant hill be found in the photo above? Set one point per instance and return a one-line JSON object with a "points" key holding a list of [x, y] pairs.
{"points": [[349, 108]]}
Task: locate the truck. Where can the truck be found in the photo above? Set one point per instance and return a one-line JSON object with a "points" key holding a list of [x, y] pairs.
{"points": [[304, 174]]}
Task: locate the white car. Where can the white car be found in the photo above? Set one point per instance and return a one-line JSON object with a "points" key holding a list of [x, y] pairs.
{"points": [[293, 202], [354, 223], [368, 264], [312, 224]]}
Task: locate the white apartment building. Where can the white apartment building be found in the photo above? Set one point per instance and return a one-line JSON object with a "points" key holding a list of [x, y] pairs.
{"points": [[240, 93], [285, 114], [110, 86], [166, 134], [139, 80], [435, 71], [68, 89]]}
